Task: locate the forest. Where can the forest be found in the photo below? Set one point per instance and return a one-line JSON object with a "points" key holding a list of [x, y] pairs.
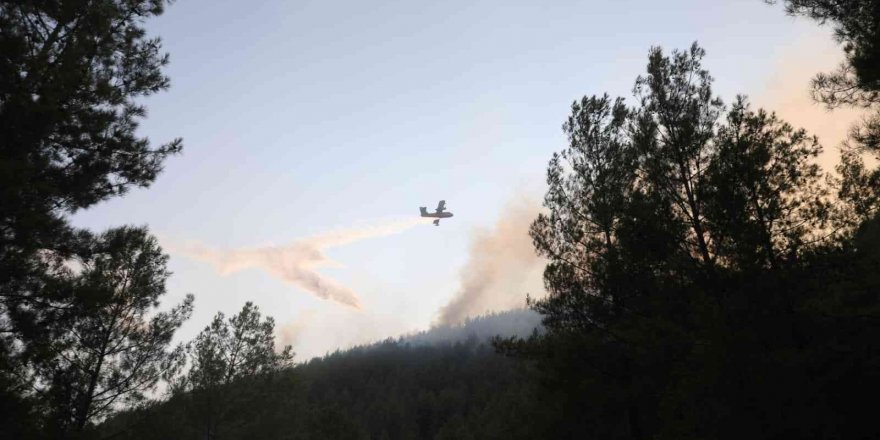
{"points": [[444, 383], [706, 277]]}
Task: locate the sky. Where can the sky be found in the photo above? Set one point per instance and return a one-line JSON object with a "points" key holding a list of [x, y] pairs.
{"points": [[306, 120]]}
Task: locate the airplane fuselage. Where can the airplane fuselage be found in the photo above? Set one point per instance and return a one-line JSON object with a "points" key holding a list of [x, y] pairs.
{"points": [[438, 215], [425, 213]]}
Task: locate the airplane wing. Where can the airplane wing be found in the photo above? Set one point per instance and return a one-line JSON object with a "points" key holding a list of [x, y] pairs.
{"points": [[441, 206]]}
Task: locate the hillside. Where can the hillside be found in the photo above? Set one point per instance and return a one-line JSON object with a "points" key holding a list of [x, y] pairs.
{"points": [[517, 322], [444, 383]]}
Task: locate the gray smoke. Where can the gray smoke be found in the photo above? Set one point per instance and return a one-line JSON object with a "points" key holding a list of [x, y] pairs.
{"points": [[289, 333], [502, 268]]}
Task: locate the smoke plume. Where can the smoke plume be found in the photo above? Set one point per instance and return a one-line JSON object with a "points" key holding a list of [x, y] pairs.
{"points": [[296, 263], [289, 333], [502, 268]]}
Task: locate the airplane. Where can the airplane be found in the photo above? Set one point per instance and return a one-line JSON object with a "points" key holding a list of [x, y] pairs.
{"points": [[438, 213]]}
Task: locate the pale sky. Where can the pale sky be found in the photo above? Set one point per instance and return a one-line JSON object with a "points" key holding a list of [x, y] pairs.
{"points": [[301, 118]]}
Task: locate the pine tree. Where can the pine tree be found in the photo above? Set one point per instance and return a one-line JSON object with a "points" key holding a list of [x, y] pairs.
{"points": [[685, 244], [117, 347], [233, 365], [71, 73]]}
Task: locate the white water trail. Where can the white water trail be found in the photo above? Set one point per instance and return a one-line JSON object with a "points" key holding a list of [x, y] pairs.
{"points": [[296, 262]]}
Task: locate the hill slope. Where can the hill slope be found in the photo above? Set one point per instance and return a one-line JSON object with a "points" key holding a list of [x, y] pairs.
{"points": [[444, 383]]}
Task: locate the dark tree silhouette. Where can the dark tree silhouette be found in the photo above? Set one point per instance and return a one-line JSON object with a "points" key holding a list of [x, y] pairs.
{"points": [[70, 76], [857, 27], [686, 241], [116, 348], [856, 83], [233, 367]]}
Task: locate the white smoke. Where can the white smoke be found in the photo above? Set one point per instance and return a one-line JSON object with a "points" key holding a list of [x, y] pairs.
{"points": [[296, 263]]}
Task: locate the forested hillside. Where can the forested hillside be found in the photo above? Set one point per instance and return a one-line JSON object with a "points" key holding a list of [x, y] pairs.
{"points": [[518, 322], [446, 383]]}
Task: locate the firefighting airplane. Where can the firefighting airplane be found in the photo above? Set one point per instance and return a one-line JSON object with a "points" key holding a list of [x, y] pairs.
{"points": [[438, 214]]}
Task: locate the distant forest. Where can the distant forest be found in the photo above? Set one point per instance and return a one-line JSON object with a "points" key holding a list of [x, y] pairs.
{"points": [[706, 278], [444, 383]]}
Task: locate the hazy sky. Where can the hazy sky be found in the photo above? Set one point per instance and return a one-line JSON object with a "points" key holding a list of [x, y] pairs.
{"points": [[302, 118]]}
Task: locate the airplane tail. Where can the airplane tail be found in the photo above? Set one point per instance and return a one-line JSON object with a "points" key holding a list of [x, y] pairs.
{"points": [[424, 210]]}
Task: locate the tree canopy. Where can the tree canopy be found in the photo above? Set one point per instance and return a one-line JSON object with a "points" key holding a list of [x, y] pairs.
{"points": [[72, 74], [70, 77], [687, 242], [116, 347], [233, 375], [856, 82]]}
